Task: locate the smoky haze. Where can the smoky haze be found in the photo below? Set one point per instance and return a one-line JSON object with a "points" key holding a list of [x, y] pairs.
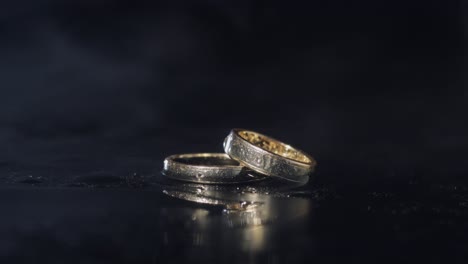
{"points": [[384, 81]]}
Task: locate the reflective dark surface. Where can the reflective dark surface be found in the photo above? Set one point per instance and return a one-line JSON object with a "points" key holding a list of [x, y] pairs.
{"points": [[127, 212], [95, 94]]}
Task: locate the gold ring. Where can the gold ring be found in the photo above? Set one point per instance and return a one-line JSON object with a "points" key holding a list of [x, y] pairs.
{"points": [[268, 156], [209, 168]]}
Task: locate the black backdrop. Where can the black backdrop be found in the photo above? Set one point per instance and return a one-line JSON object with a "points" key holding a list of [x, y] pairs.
{"points": [[95, 93], [364, 86]]}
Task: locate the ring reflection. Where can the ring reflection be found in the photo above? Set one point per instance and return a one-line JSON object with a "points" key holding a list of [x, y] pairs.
{"points": [[244, 217]]}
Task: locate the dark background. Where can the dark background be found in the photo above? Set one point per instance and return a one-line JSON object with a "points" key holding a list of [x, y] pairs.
{"points": [[363, 84], [95, 91]]}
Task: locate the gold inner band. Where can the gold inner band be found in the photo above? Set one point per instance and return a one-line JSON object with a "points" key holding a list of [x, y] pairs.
{"points": [[274, 146]]}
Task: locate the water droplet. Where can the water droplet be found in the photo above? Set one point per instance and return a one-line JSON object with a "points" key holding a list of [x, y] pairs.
{"points": [[97, 179], [135, 180], [30, 179], [243, 204]]}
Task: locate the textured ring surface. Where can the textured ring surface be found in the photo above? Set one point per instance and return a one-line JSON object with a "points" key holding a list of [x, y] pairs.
{"points": [[209, 168], [268, 156]]}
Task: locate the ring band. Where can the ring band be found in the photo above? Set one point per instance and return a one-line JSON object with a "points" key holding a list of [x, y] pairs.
{"points": [[268, 156], [209, 168]]}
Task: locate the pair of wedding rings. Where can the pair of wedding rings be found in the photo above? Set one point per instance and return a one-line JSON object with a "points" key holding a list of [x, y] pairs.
{"points": [[249, 156]]}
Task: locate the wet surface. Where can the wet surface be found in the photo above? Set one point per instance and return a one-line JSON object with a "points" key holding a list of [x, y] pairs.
{"points": [[128, 212], [95, 94]]}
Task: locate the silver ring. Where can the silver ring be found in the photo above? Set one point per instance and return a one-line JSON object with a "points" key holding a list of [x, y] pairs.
{"points": [[268, 156], [208, 168]]}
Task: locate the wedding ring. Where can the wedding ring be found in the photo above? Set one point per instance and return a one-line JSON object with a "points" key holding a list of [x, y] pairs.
{"points": [[268, 156], [209, 168]]}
